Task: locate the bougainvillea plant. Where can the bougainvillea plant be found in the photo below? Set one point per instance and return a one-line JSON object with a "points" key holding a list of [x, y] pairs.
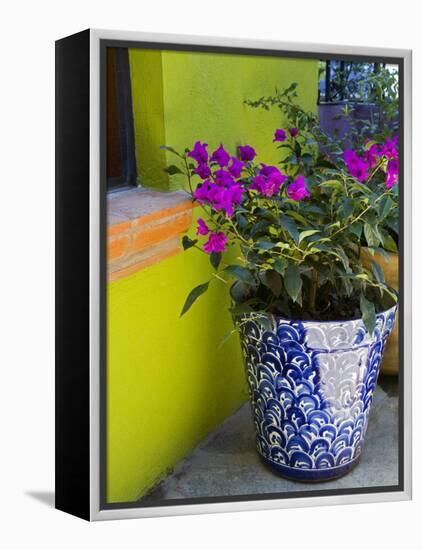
{"points": [[369, 151], [296, 230]]}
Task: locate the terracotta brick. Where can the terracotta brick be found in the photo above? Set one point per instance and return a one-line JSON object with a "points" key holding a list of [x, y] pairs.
{"points": [[115, 273], [144, 227], [166, 212], [153, 233], [117, 247], [115, 229]]}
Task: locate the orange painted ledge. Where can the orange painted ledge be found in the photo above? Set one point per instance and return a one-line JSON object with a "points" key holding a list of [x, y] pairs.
{"points": [[144, 227]]}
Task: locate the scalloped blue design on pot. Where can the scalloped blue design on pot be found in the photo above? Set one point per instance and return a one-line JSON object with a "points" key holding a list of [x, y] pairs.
{"points": [[311, 386]]}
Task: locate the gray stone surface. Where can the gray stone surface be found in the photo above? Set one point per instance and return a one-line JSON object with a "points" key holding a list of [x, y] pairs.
{"points": [[226, 463]]}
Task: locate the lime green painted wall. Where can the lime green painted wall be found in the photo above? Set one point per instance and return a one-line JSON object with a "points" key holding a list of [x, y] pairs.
{"points": [[201, 97], [168, 382], [148, 116]]}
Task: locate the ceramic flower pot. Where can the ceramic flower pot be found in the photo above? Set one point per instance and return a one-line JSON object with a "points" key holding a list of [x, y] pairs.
{"points": [[311, 386], [390, 362]]}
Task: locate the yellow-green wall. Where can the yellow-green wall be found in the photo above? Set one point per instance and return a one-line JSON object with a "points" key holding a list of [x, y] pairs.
{"points": [[168, 382], [180, 97]]}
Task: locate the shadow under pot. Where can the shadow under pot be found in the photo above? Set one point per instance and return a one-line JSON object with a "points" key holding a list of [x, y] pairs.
{"points": [[311, 386]]}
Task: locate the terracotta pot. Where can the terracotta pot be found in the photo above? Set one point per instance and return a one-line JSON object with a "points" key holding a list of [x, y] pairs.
{"points": [[390, 362]]}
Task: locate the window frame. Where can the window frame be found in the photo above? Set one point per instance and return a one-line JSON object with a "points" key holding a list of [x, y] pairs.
{"points": [[129, 176]]}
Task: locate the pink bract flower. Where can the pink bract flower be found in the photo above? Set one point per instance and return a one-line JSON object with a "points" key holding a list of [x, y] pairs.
{"points": [[297, 190], [236, 167], [392, 173], [220, 197], [216, 243], [203, 170], [372, 155], [357, 166], [202, 228], [220, 156], [223, 178], [389, 149], [279, 135], [199, 152], [246, 152], [268, 181]]}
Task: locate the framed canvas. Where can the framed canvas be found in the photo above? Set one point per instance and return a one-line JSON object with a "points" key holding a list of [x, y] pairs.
{"points": [[233, 244]]}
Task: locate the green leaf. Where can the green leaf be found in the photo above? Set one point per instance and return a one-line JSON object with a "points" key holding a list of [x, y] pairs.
{"points": [[356, 229], [335, 184], [348, 207], [292, 159], [298, 217], [265, 245], [386, 204], [324, 163], [368, 313], [172, 169], [390, 243], [167, 148], [340, 253], [370, 235], [290, 226], [215, 259], [307, 233], [259, 227], [193, 296], [188, 243], [293, 282], [272, 280], [280, 265], [314, 209], [378, 272], [240, 273]]}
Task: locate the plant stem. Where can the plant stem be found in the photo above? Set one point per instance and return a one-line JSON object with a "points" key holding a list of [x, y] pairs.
{"points": [[359, 216], [313, 290], [188, 175]]}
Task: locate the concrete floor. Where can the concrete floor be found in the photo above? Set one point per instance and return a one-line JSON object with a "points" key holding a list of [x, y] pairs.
{"points": [[226, 463]]}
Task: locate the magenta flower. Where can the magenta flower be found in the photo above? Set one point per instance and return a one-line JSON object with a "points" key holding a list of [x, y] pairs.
{"points": [[246, 152], [203, 192], [268, 181], [199, 152], [203, 170], [236, 167], [202, 228], [297, 190], [236, 193], [219, 197], [279, 135], [389, 149], [225, 199], [216, 243], [392, 173], [223, 178], [220, 156], [293, 132], [258, 184], [357, 166], [371, 155]]}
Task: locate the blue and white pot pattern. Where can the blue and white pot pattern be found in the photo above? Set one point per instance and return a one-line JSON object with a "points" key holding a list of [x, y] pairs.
{"points": [[311, 386]]}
